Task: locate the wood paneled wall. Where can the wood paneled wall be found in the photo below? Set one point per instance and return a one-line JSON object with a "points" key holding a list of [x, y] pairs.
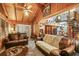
{"points": [[55, 7]]}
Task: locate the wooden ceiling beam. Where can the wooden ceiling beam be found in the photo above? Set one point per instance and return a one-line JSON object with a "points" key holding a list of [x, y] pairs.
{"points": [[36, 14], [15, 10], [5, 10], [22, 17], [19, 7], [23, 14]]}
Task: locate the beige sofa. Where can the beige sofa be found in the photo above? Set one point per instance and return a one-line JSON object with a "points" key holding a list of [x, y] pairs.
{"points": [[52, 44]]}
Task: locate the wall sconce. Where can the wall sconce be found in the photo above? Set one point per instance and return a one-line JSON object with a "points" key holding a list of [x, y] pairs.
{"points": [[11, 29], [77, 36]]}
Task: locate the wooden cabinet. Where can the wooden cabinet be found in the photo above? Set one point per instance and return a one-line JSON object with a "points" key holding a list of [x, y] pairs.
{"points": [[49, 29]]}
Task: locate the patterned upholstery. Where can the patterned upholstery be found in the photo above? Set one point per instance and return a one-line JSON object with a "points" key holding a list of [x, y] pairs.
{"points": [[54, 43], [52, 40], [45, 46]]}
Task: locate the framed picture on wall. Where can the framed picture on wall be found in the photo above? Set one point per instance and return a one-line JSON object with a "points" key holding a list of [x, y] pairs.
{"points": [[47, 10]]}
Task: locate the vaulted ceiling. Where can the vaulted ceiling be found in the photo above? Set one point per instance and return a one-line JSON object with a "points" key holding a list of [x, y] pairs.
{"points": [[15, 12]]}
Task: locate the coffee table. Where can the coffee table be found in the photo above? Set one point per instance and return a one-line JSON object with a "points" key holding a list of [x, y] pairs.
{"points": [[17, 51]]}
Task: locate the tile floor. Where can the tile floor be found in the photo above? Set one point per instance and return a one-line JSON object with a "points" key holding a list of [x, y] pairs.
{"points": [[33, 51]]}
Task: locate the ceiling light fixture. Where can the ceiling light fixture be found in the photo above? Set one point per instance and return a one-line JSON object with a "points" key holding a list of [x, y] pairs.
{"points": [[26, 13], [27, 9]]}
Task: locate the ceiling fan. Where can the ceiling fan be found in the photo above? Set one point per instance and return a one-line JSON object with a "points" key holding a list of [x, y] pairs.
{"points": [[27, 8]]}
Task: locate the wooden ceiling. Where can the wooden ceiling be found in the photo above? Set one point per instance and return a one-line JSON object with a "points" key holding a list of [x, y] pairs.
{"points": [[15, 12]]}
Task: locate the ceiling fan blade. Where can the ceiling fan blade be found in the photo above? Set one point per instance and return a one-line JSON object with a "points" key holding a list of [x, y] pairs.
{"points": [[29, 7], [28, 10]]}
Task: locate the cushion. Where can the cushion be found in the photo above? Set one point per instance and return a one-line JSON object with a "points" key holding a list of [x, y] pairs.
{"points": [[55, 52], [13, 37], [45, 46], [52, 40]]}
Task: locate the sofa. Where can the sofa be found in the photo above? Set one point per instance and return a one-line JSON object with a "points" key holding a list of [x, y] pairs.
{"points": [[15, 39], [55, 45]]}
